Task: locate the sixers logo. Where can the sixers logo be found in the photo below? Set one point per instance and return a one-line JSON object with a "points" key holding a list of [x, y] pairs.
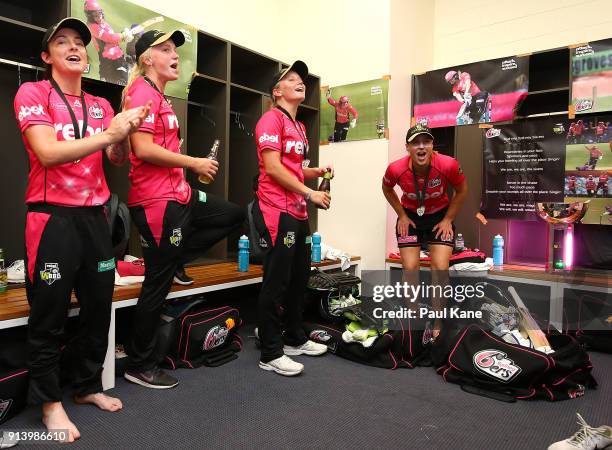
{"points": [[584, 104], [434, 183], [319, 335], [215, 337], [95, 112], [496, 364], [492, 132]]}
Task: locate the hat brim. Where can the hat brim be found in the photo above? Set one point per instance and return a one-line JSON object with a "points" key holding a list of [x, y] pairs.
{"points": [[176, 36], [298, 67], [411, 138], [69, 22]]}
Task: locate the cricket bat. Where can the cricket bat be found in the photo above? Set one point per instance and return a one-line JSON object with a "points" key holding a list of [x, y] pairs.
{"points": [[146, 24], [527, 323]]}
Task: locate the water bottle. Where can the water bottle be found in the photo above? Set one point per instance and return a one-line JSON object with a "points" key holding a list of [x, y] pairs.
{"points": [[316, 247], [243, 254], [498, 250], [3, 277], [459, 243]]}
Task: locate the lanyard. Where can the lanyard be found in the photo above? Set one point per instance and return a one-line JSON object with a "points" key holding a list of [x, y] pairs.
{"points": [[420, 194], [154, 86], [78, 133], [297, 127]]}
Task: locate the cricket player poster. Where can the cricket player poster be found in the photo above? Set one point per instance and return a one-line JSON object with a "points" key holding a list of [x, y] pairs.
{"points": [[486, 91], [523, 164], [115, 27], [354, 111], [591, 69], [588, 166]]}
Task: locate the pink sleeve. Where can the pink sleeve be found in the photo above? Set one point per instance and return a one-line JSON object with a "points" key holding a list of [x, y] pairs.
{"points": [[109, 113], [331, 101], [104, 33], [455, 174], [31, 106], [139, 96], [390, 178], [268, 132]]}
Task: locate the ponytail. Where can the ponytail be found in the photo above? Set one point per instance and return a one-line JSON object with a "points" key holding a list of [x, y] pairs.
{"points": [[138, 70]]}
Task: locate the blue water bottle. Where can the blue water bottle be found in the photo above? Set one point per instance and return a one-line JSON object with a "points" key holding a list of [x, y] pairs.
{"points": [[316, 247], [243, 254], [498, 250]]}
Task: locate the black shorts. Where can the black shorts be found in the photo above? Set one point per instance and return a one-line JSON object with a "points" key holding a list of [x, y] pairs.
{"points": [[423, 232]]}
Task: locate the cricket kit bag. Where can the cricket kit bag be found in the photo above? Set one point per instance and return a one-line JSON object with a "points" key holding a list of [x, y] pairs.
{"points": [[332, 294], [13, 373], [192, 334], [480, 360]]}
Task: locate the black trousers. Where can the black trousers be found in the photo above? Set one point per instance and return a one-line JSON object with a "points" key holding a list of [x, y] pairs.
{"points": [[286, 266], [340, 131], [188, 231], [67, 248]]}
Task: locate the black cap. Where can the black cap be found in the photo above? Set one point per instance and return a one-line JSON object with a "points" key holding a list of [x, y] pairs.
{"points": [[69, 22], [299, 67], [416, 130], [155, 37]]}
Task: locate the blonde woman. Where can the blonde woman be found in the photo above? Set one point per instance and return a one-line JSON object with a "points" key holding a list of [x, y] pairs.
{"points": [[176, 223]]}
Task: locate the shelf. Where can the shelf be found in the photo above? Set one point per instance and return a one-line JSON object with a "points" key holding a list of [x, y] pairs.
{"points": [[252, 70], [208, 77], [207, 90], [212, 56], [29, 39], [35, 12]]}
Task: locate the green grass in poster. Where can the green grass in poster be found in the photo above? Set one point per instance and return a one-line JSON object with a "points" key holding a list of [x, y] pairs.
{"points": [[577, 155], [595, 213], [369, 98], [120, 15]]}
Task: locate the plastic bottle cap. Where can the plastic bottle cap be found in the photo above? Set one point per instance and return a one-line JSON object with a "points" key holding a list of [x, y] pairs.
{"points": [[243, 237], [316, 232]]}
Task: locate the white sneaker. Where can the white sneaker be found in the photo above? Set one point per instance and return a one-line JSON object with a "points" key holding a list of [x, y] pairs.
{"points": [[16, 272], [309, 348], [283, 366], [587, 438]]}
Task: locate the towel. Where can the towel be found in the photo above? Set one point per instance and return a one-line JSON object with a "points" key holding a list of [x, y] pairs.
{"points": [[334, 254]]}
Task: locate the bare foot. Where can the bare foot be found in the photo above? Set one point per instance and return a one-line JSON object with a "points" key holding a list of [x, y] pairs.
{"points": [[56, 420], [101, 400]]}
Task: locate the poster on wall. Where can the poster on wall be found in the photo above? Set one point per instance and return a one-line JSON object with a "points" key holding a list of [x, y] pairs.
{"points": [[591, 68], [486, 91], [354, 111], [523, 164], [115, 27], [588, 167]]}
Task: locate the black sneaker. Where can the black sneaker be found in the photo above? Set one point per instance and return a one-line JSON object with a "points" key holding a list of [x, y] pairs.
{"points": [[181, 277], [154, 379]]}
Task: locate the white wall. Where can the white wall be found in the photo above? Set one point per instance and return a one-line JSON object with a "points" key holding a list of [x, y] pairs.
{"points": [[342, 41], [475, 30]]}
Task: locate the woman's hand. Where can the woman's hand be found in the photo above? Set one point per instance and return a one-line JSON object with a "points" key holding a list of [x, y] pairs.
{"points": [[206, 167], [320, 198], [127, 121], [403, 225], [444, 229]]}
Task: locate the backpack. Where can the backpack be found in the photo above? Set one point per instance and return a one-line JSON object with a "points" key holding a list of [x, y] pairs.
{"points": [[192, 334], [118, 216], [13, 373]]}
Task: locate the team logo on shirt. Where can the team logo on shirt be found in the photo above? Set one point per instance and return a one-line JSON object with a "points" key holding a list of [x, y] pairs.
{"points": [[51, 273], [297, 146], [289, 239], [26, 111], [434, 183], [177, 237], [268, 138], [77, 103], [95, 112], [263, 243]]}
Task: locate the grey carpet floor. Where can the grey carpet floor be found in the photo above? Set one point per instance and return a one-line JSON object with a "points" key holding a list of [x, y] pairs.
{"points": [[334, 404]]}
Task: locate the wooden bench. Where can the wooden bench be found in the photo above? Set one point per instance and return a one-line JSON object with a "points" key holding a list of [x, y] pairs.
{"points": [[14, 308], [557, 282]]}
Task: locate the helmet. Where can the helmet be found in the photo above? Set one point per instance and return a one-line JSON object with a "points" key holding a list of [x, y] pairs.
{"points": [[92, 5], [343, 99], [93, 10], [450, 75]]}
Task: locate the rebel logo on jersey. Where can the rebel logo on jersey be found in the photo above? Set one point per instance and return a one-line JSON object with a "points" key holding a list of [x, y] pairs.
{"points": [[268, 138], [26, 111]]}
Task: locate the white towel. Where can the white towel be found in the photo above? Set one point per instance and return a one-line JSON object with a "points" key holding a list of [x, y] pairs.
{"points": [[334, 254]]}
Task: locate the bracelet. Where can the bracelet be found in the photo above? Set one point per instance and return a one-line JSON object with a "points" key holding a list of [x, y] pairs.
{"points": [[307, 196]]}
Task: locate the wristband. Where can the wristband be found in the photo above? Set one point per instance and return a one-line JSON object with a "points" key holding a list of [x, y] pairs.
{"points": [[307, 196]]}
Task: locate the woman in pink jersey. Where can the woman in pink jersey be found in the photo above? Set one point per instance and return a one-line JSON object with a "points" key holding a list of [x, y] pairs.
{"points": [[176, 224], [281, 218], [68, 244], [424, 214]]}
